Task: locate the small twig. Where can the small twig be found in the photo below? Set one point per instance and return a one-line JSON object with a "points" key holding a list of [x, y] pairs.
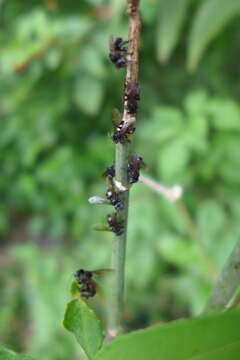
{"points": [[227, 282], [172, 194]]}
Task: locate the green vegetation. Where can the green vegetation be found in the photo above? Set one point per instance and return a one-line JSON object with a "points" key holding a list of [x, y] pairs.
{"points": [[58, 90]]}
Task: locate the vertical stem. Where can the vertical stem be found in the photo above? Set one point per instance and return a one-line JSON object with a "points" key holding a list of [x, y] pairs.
{"points": [[121, 176], [119, 244]]}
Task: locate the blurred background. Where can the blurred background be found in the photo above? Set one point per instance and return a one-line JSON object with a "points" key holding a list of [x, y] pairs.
{"points": [[58, 89]]}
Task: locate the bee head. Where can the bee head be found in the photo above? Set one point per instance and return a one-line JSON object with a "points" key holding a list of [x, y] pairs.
{"points": [[82, 274]]}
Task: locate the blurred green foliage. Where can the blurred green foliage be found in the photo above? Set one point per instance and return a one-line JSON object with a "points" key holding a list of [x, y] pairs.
{"points": [[58, 89]]}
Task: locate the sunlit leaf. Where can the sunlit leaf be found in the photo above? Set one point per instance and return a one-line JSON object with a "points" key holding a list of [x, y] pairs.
{"points": [[209, 20], [177, 251], [173, 157], [89, 94], [210, 221], [171, 17], [224, 114], [211, 337], [84, 324], [11, 355]]}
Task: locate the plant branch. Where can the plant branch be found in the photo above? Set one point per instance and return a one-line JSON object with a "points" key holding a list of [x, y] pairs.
{"points": [[174, 195], [121, 176], [227, 282]]}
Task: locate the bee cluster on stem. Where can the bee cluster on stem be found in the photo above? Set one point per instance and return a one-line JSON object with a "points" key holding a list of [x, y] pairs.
{"points": [[122, 131]]}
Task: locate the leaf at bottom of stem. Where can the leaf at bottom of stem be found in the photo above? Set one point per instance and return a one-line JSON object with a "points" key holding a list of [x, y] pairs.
{"points": [[81, 320]]}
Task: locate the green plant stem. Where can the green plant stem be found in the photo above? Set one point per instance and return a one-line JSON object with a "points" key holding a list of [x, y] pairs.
{"points": [[227, 282], [121, 178], [119, 244]]}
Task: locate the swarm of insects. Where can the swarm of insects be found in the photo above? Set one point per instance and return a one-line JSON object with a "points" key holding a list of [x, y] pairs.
{"points": [[131, 97], [118, 52], [86, 285], [114, 224], [135, 163]]}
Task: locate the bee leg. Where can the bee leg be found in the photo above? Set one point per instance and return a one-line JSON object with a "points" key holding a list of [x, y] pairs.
{"points": [[83, 288], [123, 43], [86, 294]]}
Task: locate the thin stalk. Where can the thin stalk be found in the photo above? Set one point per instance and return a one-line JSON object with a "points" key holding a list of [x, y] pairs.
{"points": [[193, 233], [121, 176], [174, 195], [227, 282], [119, 245]]}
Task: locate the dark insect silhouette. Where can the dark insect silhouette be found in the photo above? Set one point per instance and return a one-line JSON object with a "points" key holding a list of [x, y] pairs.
{"points": [[131, 97], [114, 224], [121, 129], [118, 52], [86, 285], [135, 163], [112, 195], [110, 172]]}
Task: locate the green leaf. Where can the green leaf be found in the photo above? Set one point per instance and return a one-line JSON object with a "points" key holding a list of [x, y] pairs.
{"points": [[209, 20], [225, 114], [74, 289], [210, 337], [173, 158], [149, 11], [89, 94], [177, 250], [210, 221], [84, 324], [171, 16], [11, 355], [196, 102], [165, 124], [228, 352]]}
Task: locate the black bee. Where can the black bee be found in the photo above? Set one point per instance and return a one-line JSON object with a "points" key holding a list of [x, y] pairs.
{"points": [[121, 129], [110, 172], [85, 283], [135, 163], [111, 194], [114, 224], [118, 52], [131, 97]]}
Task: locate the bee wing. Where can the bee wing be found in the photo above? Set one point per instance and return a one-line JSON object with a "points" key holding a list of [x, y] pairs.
{"points": [[102, 271], [134, 159], [110, 183], [110, 42], [105, 174], [108, 173], [143, 165], [101, 228], [116, 118]]}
